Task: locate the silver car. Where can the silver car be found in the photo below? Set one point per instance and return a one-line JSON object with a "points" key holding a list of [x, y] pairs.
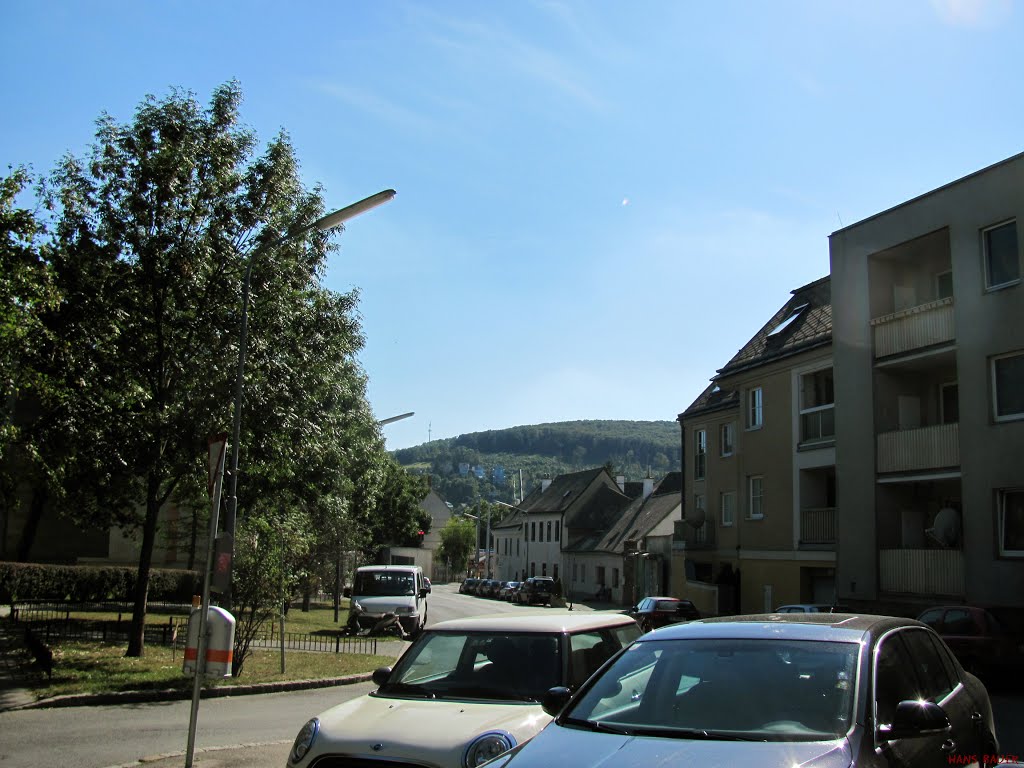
{"points": [[774, 691]]}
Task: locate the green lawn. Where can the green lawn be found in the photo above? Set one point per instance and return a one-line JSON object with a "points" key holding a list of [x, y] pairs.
{"points": [[80, 667]]}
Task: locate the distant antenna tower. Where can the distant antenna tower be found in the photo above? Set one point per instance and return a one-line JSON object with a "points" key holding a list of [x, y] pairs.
{"points": [[429, 425]]}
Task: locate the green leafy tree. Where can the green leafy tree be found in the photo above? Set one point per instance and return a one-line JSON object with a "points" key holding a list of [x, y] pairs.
{"points": [[153, 232], [456, 547]]}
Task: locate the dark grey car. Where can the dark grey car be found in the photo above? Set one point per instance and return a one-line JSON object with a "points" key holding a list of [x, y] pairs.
{"points": [[772, 690]]}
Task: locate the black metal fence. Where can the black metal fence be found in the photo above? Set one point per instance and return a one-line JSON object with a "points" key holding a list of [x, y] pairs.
{"points": [[52, 622]]}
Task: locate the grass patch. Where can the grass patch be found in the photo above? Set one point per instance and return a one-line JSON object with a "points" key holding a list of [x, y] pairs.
{"points": [[101, 668]]}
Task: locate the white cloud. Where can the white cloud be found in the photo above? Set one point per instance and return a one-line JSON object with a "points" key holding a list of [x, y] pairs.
{"points": [[972, 13]]}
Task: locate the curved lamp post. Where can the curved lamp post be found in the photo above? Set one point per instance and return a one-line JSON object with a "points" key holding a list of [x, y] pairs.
{"points": [[330, 221]]}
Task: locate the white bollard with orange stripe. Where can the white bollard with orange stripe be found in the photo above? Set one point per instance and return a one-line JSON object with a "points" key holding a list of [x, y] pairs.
{"points": [[220, 642]]}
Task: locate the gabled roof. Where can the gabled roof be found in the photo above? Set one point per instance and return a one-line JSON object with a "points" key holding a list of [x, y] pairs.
{"points": [[640, 518], [802, 323], [563, 491]]}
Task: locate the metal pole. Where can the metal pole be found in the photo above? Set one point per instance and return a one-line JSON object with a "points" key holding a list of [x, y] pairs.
{"points": [[488, 543], [205, 608], [330, 221]]}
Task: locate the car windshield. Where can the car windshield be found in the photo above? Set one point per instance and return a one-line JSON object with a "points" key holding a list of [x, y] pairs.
{"points": [[772, 689], [478, 665], [384, 584]]}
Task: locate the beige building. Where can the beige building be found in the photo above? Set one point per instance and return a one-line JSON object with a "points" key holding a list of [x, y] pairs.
{"points": [[759, 470], [928, 342]]}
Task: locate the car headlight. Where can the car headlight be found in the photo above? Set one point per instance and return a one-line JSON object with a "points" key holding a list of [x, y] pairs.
{"points": [[403, 609], [486, 747], [304, 741]]}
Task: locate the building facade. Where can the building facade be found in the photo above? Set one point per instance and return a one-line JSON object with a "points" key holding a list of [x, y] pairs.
{"points": [[928, 330]]}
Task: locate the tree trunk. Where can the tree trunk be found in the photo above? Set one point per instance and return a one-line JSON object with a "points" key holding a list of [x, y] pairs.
{"points": [[31, 527], [136, 639]]}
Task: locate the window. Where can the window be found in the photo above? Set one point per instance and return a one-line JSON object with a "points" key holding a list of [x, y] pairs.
{"points": [[755, 498], [700, 453], [817, 406], [728, 504], [944, 285], [543, 569], [1002, 257], [554, 571], [549, 531], [1011, 521], [583, 572], [755, 413], [894, 678], [558, 529], [728, 439], [533, 569], [615, 578], [1008, 386], [700, 535], [949, 403], [575, 570], [600, 575], [533, 531]]}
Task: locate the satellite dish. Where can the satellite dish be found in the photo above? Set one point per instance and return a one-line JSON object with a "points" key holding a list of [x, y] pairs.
{"points": [[946, 527], [696, 519]]}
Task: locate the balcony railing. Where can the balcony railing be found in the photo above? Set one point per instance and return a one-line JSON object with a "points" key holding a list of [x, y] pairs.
{"points": [[922, 571], [694, 538], [923, 448], [818, 526], [914, 328]]}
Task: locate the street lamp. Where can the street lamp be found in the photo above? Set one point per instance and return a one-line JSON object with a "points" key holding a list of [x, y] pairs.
{"points": [[526, 535], [487, 543], [328, 222]]}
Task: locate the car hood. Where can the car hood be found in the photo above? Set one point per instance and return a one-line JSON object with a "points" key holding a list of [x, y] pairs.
{"points": [[429, 731], [605, 750], [385, 604]]}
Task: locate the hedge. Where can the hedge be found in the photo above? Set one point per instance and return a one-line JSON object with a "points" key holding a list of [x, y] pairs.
{"points": [[92, 583]]}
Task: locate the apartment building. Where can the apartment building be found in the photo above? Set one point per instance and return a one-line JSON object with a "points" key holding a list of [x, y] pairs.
{"points": [[759, 461], [928, 347]]}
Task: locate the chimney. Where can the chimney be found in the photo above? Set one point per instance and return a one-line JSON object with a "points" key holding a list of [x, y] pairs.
{"points": [[621, 480], [648, 486]]}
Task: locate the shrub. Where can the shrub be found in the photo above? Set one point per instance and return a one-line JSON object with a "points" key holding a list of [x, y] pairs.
{"points": [[92, 583]]}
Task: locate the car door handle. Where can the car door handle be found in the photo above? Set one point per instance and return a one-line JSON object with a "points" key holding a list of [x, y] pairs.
{"points": [[948, 745]]}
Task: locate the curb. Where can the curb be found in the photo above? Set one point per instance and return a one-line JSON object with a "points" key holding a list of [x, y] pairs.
{"points": [[174, 694]]}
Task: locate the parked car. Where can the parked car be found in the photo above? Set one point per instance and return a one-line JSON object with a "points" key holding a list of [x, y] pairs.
{"points": [[809, 608], [771, 690], [508, 589], [487, 588], [465, 691], [980, 641], [653, 612], [468, 586], [537, 590]]}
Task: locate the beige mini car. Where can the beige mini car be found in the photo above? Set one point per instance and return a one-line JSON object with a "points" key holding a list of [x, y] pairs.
{"points": [[465, 691]]}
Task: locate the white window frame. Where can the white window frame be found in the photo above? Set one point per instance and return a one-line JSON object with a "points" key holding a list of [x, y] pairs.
{"points": [[1016, 415], [755, 408], [938, 283], [700, 454], [727, 508], [727, 438], [1004, 497], [755, 501], [989, 285]]}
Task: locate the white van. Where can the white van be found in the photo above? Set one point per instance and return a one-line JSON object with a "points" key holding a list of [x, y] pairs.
{"points": [[398, 589]]}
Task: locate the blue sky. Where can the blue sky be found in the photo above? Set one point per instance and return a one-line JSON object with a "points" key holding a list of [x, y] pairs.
{"points": [[598, 202]]}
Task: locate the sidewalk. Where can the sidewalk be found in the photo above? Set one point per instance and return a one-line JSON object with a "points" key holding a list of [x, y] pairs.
{"points": [[17, 673]]}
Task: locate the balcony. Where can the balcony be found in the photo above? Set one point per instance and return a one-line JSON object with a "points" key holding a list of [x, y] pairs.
{"points": [[915, 328], [924, 448], [818, 528], [690, 538], [938, 572]]}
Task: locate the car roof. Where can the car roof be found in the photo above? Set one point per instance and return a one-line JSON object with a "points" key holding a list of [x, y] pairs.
{"points": [[819, 606], [544, 620], [389, 568], [838, 627], [656, 597]]}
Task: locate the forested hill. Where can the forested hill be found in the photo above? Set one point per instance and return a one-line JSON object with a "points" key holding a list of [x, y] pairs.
{"points": [[486, 465]]}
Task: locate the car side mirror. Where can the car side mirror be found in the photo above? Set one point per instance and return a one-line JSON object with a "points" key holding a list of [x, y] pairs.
{"points": [[555, 700], [346, 592], [381, 675], [914, 719], [424, 591]]}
